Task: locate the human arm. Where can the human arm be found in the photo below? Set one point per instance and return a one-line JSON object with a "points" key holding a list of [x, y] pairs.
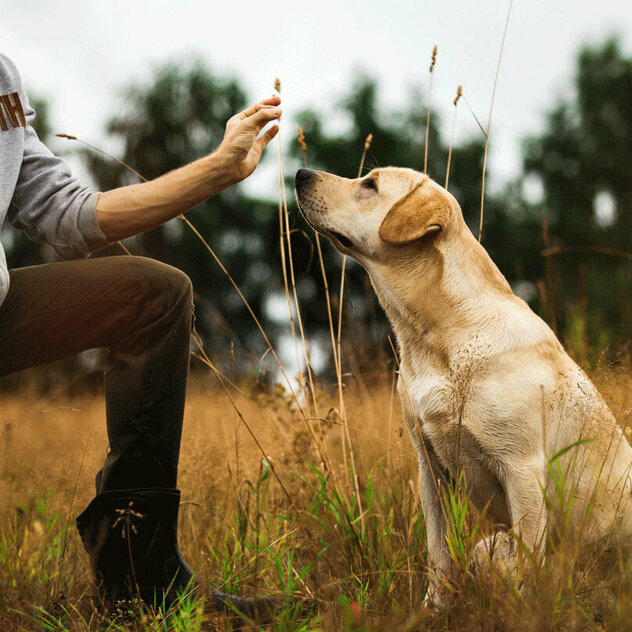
{"points": [[136, 208]]}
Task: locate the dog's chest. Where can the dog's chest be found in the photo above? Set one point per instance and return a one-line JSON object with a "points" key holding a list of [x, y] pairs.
{"points": [[428, 395], [441, 409]]}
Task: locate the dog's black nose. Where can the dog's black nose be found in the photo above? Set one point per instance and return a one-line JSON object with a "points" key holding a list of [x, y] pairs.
{"points": [[303, 175]]}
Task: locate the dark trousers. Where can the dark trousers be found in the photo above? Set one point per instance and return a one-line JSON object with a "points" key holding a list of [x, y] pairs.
{"points": [[141, 311]]}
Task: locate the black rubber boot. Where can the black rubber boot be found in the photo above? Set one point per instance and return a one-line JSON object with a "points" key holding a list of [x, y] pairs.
{"points": [[131, 539]]}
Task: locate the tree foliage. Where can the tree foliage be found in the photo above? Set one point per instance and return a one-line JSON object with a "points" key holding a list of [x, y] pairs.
{"points": [[583, 161]]}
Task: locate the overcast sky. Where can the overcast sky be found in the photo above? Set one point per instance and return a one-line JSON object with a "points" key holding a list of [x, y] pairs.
{"points": [[79, 53]]}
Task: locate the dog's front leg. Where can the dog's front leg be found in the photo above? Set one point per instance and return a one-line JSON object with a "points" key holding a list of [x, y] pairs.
{"points": [[523, 487], [432, 488]]}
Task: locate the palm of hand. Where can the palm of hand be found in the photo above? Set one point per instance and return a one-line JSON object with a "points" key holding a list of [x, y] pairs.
{"points": [[241, 146], [246, 153]]}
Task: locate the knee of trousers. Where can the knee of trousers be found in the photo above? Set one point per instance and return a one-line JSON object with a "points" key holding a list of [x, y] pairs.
{"points": [[166, 290]]}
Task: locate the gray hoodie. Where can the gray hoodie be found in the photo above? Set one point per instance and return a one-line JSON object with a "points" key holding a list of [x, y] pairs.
{"points": [[37, 191]]}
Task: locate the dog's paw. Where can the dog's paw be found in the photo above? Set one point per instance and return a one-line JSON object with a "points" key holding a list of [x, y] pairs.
{"points": [[435, 594], [494, 554]]}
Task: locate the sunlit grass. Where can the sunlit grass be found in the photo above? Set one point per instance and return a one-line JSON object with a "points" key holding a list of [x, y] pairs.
{"points": [[328, 568]]}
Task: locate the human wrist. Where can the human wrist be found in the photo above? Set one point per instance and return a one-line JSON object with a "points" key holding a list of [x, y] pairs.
{"points": [[222, 163]]}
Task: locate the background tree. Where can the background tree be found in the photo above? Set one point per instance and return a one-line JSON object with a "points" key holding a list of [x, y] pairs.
{"points": [[583, 162]]}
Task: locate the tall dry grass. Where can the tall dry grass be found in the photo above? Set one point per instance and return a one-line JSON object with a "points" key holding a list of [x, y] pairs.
{"points": [[242, 532]]}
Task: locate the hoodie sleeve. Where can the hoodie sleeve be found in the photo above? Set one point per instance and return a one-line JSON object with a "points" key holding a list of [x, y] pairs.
{"points": [[49, 204]]}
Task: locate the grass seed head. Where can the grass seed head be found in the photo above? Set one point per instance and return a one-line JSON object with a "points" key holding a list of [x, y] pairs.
{"points": [[277, 85], [459, 94], [301, 138], [368, 141], [433, 61]]}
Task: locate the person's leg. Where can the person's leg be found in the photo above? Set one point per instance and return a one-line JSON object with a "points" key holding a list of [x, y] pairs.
{"points": [[141, 310]]}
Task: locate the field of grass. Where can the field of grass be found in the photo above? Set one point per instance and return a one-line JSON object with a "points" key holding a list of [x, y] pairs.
{"points": [[291, 525]]}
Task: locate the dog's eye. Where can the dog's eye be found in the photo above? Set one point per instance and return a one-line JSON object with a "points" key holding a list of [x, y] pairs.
{"points": [[369, 183]]}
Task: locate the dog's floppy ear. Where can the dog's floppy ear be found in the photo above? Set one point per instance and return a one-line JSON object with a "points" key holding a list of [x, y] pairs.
{"points": [[422, 210]]}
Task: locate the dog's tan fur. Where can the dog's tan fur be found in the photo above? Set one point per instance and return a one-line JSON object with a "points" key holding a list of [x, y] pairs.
{"points": [[486, 388]]}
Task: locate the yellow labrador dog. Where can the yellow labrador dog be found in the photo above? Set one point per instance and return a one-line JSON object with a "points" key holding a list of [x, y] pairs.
{"points": [[486, 388]]}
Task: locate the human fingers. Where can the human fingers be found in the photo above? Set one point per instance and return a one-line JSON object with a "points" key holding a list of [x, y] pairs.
{"points": [[264, 139], [271, 102], [261, 117], [260, 144]]}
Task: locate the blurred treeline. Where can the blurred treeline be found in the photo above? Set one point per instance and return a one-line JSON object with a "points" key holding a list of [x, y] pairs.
{"points": [[573, 201]]}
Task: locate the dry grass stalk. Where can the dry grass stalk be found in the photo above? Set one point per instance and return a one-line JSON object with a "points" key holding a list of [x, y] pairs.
{"points": [[433, 61], [303, 144], [390, 420], [489, 120], [249, 308], [102, 151], [338, 363], [319, 448], [109, 155], [288, 235], [283, 233], [338, 355], [459, 94], [548, 287], [323, 457], [469, 107], [367, 144], [308, 368], [284, 227], [286, 286]]}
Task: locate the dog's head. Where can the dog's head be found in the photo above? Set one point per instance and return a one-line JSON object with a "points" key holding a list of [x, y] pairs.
{"points": [[387, 213], [410, 236]]}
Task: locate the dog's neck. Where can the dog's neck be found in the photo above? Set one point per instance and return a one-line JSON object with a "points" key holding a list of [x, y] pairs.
{"points": [[440, 295]]}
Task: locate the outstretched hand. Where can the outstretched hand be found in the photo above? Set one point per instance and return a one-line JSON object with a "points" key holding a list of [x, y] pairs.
{"points": [[241, 147]]}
